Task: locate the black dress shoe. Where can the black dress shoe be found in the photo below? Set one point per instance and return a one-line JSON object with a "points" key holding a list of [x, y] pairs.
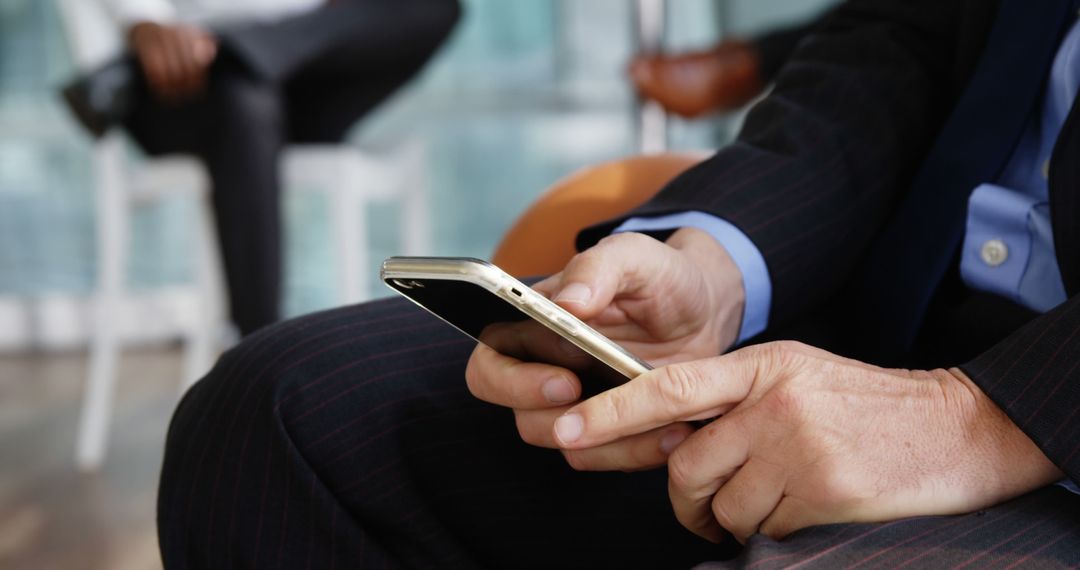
{"points": [[102, 99]]}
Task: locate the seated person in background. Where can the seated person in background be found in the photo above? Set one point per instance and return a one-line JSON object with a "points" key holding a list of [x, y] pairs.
{"points": [[720, 79], [234, 81], [907, 196]]}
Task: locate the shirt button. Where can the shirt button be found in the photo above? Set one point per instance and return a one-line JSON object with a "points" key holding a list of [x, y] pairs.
{"points": [[994, 252], [1046, 168]]}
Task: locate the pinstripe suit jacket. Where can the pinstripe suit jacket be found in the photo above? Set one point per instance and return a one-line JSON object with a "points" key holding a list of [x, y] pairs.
{"points": [[852, 178]]}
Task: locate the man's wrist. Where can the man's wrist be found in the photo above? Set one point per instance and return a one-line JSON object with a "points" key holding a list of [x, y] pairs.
{"points": [[722, 278], [1011, 462], [756, 283]]}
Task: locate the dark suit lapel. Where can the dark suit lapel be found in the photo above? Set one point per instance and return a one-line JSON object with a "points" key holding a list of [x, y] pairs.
{"points": [[917, 248], [1065, 200]]}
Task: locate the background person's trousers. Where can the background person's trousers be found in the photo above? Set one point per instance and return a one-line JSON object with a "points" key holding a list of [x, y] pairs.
{"points": [[347, 439], [305, 79]]}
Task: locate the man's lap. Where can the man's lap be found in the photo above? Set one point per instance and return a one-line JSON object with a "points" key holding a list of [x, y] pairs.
{"points": [[348, 437], [1038, 530], [351, 434]]}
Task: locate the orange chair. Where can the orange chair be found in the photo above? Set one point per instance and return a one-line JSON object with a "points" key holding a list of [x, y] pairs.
{"points": [[541, 241]]}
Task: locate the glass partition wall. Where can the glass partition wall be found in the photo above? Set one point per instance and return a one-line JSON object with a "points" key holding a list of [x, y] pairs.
{"points": [[525, 92]]}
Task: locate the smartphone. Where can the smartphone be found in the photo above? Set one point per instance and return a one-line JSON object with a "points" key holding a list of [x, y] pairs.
{"points": [[489, 305]]}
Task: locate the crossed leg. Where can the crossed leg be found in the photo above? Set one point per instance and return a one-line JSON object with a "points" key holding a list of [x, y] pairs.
{"points": [[305, 79], [348, 439]]}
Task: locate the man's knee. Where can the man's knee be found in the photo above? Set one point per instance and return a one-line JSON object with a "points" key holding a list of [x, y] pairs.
{"points": [[276, 361], [230, 444], [334, 361], [256, 389], [240, 101]]}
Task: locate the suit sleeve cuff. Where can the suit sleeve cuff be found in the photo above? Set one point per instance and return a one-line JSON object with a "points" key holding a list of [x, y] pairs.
{"points": [[747, 257]]}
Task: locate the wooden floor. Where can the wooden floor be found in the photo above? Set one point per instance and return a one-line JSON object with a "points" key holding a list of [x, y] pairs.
{"points": [[51, 516]]}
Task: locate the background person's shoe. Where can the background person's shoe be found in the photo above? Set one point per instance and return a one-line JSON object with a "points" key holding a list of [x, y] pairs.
{"points": [[102, 99], [695, 84]]}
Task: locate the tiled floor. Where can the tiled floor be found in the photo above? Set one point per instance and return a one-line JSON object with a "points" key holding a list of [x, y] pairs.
{"points": [[51, 516]]}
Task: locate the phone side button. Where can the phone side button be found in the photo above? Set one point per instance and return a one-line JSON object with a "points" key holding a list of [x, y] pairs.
{"points": [[570, 326]]}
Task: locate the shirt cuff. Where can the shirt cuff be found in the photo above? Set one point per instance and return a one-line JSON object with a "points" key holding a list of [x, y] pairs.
{"points": [[747, 257]]}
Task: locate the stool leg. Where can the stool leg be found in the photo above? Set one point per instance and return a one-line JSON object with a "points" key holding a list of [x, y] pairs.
{"points": [[650, 22], [112, 242], [208, 324], [350, 233]]}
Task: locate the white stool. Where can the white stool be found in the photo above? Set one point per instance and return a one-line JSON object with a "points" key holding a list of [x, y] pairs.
{"points": [[350, 178]]}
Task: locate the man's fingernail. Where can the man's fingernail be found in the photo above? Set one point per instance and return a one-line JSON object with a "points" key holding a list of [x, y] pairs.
{"points": [[574, 293], [568, 428], [670, 440], [558, 390]]}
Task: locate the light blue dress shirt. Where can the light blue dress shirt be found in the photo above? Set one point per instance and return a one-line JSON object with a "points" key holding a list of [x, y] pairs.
{"points": [[1008, 242]]}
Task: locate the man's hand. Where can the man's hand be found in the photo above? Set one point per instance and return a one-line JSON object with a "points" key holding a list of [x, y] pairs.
{"points": [[809, 438], [664, 302], [174, 58]]}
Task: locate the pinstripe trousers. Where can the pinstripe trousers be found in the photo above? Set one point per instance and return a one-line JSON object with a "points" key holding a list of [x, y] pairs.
{"points": [[347, 439]]}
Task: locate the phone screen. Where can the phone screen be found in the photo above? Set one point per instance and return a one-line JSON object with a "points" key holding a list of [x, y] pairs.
{"points": [[495, 322]]}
